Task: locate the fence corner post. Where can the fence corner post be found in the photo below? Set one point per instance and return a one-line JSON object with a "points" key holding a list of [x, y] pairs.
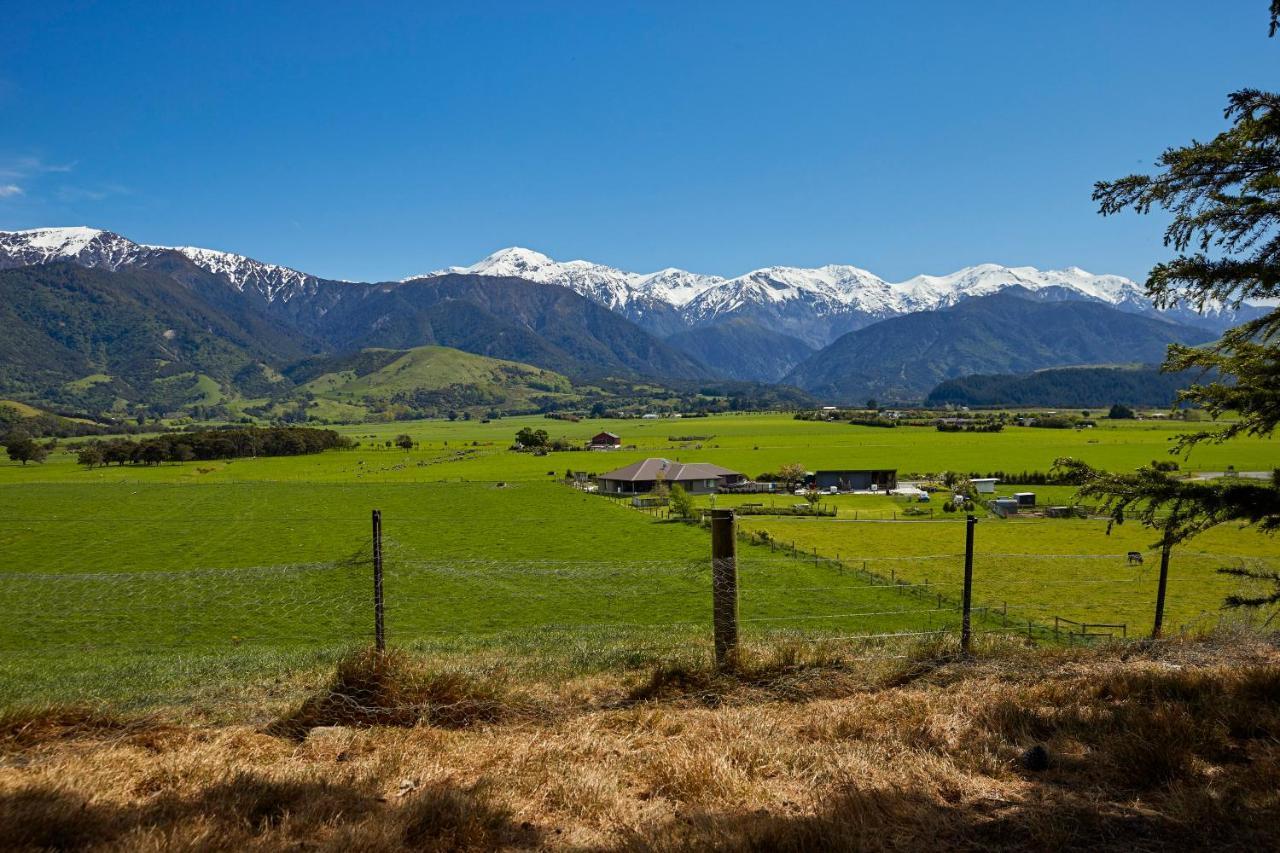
{"points": [[724, 586]]}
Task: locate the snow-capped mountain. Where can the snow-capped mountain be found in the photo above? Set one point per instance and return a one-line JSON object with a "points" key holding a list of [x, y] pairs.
{"points": [[93, 247], [271, 280], [607, 285], [87, 247], [814, 305]]}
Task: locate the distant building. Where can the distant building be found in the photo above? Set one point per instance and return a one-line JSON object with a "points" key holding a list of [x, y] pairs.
{"points": [[606, 439], [985, 485], [640, 477], [856, 480], [1025, 499]]}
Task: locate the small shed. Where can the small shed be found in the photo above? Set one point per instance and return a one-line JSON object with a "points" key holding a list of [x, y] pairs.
{"points": [[985, 485], [1005, 507], [1025, 499], [606, 439]]}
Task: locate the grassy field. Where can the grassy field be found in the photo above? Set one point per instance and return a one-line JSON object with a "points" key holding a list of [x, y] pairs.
{"points": [[243, 568]]}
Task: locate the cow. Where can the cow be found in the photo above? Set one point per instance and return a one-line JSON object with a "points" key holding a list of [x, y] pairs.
{"points": [[1135, 558]]}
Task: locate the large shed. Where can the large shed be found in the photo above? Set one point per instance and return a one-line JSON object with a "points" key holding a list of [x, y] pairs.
{"points": [[640, 477], [856, 480]]}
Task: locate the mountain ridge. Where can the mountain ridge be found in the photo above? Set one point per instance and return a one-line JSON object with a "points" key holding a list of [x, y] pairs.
{"points": [[816, 305], [903, 358]]}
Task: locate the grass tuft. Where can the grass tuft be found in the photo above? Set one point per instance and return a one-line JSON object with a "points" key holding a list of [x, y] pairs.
{"points": [[372, 688]]}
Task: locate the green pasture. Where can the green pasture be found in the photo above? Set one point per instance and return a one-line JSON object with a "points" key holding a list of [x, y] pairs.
{"points": [[103, 572], [1042, 568], [752, 444], [173, 581]]}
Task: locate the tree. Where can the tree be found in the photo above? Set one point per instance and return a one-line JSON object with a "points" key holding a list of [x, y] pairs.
{"points": [[530, 437], [24, 450], [680, 502], [152, 453], [873, 404], [1224, 197], [812, 496], [660, 488], [404, 441], [792, 473], [89, 456], [1120, 413]]}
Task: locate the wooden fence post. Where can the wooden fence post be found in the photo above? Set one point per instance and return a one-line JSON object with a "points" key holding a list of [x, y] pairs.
{"points": [[966, 606], [1165, 547], [379, 632], [724, 586]]}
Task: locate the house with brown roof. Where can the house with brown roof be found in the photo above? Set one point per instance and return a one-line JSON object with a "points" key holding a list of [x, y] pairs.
{"points": [[698, 478]]}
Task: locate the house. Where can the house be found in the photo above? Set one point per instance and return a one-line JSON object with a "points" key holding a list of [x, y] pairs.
{"points": [[860, 480], [605, 439], [640, 477], [984, 485]]}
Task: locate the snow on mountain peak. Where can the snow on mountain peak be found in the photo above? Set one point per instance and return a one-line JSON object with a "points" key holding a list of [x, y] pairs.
{"points": [[272, 280], [59, 241], [90, 247]]}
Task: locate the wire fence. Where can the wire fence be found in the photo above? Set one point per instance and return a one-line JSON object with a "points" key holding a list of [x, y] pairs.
{"points": [[190, 636]]}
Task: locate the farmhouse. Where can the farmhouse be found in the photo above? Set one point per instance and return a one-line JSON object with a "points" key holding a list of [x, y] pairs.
{"points": [[605, 439], [639, 477], [860, 480]]}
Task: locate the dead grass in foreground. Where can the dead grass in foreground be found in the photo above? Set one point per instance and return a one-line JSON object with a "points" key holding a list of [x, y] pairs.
{"points": [[1150, 748]]}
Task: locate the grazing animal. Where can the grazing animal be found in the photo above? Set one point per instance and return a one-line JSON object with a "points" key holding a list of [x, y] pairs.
{"points": [[1135, 558]]}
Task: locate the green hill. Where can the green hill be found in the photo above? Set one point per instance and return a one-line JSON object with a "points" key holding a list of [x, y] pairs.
{"points": [[431, 379]]}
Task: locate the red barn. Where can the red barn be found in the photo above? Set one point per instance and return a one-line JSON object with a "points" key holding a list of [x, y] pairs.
{"points": [[605, 439]]}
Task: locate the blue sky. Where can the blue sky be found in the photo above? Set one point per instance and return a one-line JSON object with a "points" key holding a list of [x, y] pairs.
{"points": [[371, 141]]}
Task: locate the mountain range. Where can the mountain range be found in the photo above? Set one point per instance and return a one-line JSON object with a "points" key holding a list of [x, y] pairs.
{"points": [[835, 330]]}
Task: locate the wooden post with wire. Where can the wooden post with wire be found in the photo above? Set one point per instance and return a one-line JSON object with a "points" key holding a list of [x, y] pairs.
{"points": [[966, 628], [379, 632], [1165, 547], [724, 586]]}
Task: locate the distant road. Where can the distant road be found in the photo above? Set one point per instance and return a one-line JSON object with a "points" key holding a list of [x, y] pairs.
{"points": [[1213, 475]]}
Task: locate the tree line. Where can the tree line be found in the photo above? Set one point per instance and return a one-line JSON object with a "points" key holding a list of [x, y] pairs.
{"points": [[240, 442]]}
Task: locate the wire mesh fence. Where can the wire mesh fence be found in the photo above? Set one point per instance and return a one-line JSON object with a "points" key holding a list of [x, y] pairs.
{"points": [[154, 635]]}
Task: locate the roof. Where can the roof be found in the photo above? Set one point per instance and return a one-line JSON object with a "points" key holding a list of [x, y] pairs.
{"points": [[651, 468], [856, 471], [610, 434]]}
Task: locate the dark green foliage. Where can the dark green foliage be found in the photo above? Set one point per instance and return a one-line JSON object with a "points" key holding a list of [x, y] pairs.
{"points": [[1224, 197], [530, 437], [63, 323], [23, 449], [990, 425], [1008, 332], [212, 444], [1120, 412], [1067, 386]]}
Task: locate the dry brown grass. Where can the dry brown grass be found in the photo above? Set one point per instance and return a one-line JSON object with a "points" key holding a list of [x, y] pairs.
{"points": [[372, 688], [1175, 746]]}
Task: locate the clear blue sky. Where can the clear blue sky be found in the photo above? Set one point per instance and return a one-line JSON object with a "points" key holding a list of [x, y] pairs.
{"points": [[372, 141]]}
